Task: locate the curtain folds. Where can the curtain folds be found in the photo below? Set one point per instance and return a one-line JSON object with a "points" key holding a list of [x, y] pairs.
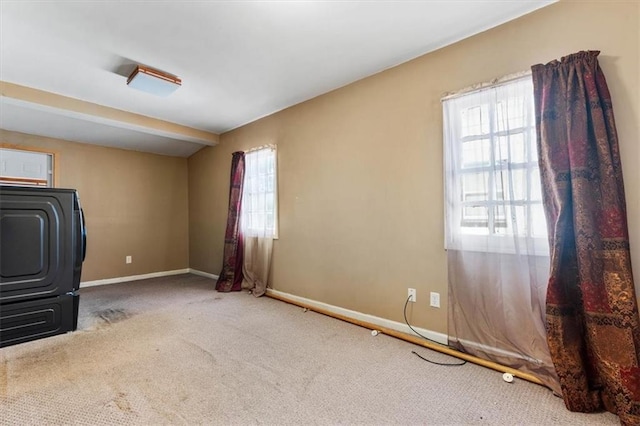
{"points": [[497, 251], [257, 264], [592, 320], [230, 279], [259, 218]]}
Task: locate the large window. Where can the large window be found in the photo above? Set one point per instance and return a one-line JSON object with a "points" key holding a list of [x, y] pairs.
{"points": [[492, 175], [260, 195]]}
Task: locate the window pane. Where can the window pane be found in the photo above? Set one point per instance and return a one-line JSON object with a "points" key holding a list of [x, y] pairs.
{"points": [[250, 184], [519, 223], [500, 216], [262, 164], [475, 216], [476, 153], [536, 186], [510, 220], [511, 184], [270, 182], [492, 158], [475, 186], [510, 114], [271, 162], [538, 221], [511, 149], [533, 145], [259, 203], [254, 203], [475, 120], [261, 183]]}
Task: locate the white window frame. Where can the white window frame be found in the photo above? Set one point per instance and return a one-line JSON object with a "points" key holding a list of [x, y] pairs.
{"points": [[247, 194], [10, 153], [480, 241]]}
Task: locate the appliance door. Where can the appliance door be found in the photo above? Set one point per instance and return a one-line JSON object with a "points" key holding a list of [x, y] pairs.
{"points": [[35, 319], [38, 245]]}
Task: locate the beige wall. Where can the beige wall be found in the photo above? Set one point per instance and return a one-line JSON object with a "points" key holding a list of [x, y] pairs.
{"points": [[206, 208], [360, 184], [135, 204]]}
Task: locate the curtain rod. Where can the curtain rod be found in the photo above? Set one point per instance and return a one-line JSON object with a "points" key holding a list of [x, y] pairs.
{"points": [[257, 148], [485, 85], [409, 338]]}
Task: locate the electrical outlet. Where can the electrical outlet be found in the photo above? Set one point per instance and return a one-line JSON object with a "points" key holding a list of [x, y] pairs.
{"points": [[435, 299], [128, 259], [411, 294]]}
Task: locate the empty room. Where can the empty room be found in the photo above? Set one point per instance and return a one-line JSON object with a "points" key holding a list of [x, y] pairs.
{"points": [[319, 212]]}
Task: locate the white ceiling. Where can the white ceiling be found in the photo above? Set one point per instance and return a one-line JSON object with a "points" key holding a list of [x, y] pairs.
{"points": [[238, 61]]}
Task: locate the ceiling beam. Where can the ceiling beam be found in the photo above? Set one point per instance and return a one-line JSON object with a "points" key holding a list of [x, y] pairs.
{"points": [[76, 108]]}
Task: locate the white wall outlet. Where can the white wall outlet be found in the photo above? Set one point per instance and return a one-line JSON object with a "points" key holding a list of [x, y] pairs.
{"points": [[411, 294], [128, 259], [435, 299]]}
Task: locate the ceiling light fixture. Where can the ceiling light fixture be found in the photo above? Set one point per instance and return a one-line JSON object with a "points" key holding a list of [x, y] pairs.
{"points": [[153, 81]]}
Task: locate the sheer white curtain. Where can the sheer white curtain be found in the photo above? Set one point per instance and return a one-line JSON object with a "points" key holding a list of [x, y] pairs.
{"points": [[497, 249], [259, 222]]}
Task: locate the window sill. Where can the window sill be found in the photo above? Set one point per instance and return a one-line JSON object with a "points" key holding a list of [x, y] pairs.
{"points": [[508, 245]]}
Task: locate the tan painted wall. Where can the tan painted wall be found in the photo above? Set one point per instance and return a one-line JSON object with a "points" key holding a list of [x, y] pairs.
{"points": [[135, 204], [360, 184]]}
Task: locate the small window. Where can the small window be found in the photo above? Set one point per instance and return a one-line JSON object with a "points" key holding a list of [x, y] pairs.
{"points": [[260, 194], [491, 168], [26, 167]]}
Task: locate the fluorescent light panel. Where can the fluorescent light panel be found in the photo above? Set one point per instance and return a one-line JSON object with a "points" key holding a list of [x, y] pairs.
{"points": [[153, 81]]}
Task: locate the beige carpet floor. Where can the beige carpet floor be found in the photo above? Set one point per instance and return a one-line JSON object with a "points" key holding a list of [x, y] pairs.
{"points": [[174, 351]]}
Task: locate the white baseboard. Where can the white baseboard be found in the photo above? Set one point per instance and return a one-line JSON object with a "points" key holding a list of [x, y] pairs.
{"points": [[147, 276], [133, 278], [382, 322], [203, 274]]}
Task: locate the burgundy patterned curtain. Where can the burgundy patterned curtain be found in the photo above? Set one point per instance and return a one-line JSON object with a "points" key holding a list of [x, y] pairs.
{"points": [[592, 314], [230, 279]]}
